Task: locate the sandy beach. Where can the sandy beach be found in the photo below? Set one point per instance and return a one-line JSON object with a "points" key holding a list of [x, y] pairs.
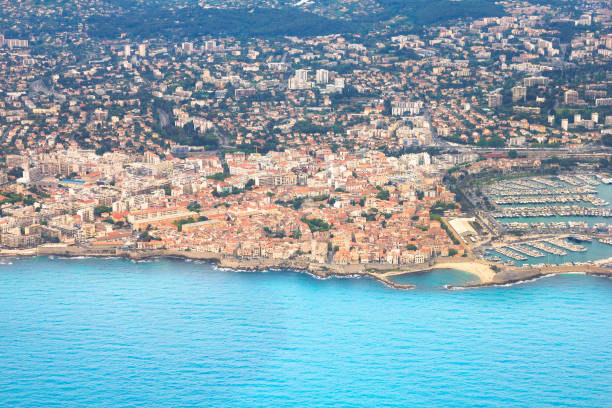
{"points": [[482, 270]]}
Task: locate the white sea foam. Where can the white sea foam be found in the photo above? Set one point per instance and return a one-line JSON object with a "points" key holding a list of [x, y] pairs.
{"points": [[139, 261], [451, 287], [224, 269], [520, 282]]}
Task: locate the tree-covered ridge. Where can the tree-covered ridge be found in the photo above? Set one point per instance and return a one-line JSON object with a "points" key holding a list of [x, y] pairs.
{"points": [[425, 12], [194, 21], [175, 19]]}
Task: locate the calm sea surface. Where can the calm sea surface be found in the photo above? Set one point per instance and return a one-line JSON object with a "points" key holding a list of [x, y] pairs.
{"points": [[111, 333]]}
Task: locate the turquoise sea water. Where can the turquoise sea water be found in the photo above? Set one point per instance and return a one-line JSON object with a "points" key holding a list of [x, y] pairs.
{"points": [[437, 279], [605, 191], [111, 333]]}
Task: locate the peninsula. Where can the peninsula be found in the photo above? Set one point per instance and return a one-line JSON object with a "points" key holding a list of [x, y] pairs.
{"points": [[479, 141]]}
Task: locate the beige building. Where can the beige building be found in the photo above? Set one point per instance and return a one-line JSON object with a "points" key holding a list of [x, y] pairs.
{"points": [[152, 216]]}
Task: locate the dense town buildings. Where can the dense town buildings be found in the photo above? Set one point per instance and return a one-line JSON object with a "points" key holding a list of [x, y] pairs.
{"points": [[334, 148]]}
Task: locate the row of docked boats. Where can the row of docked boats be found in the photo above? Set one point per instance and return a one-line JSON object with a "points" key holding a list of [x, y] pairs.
{"points": [[539, 248], [511, 254], [510, 191], [548, 248], [548, 199], [579, 179], [562, 243], [553, 210], [523, 249]]}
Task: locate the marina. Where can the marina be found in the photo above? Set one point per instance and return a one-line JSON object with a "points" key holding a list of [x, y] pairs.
{"points": [[557, 251], [570, 213], [526, 251], [577, 196], [552, 211], [568, 224], [551, 199], [546, 185], [510, 254], [566, 245], [547, 248]]}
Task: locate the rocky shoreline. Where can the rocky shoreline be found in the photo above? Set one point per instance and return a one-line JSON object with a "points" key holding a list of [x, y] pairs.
{"points": [[380, 272], [319, 271]]}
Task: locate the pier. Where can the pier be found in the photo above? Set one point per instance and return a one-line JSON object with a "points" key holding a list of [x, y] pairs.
{"points": [[551, 199], [510, 254], [566, 245], [552, 211], [547, 248], [526, 251]]}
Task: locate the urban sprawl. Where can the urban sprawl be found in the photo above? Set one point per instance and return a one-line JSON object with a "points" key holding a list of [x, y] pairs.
{"points": [[377, 147]]}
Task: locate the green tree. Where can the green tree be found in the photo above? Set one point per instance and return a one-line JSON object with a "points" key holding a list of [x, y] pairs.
{"points": [[16, 172], [101, 209], [194, 207], [316, 224], [383, 195]]}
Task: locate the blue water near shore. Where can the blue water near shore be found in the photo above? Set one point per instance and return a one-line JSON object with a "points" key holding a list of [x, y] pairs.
{"points": [[112, 333], [436, 280]]}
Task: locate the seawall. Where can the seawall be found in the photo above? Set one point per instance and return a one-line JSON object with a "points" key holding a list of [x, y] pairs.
{"points": [[380, 272]]}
